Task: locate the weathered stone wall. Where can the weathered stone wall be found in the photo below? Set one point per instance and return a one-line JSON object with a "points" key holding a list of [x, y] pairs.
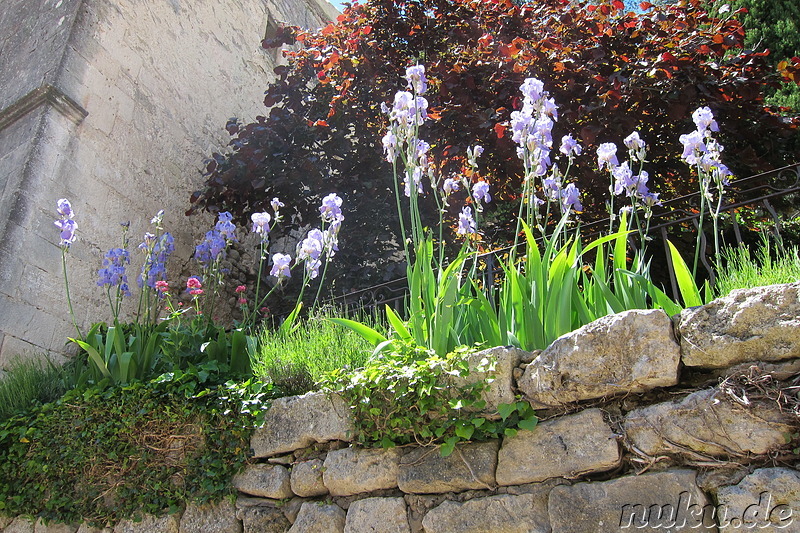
{"points": [[703, 444], [114, 105]]}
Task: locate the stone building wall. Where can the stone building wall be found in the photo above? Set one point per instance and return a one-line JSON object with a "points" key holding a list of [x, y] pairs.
{"points": [[114, 105]]}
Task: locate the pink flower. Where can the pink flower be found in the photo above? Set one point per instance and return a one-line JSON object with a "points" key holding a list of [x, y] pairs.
{"points": [[196, 292], [194, 283], [240, 289], [162, 286], [242, 301]]}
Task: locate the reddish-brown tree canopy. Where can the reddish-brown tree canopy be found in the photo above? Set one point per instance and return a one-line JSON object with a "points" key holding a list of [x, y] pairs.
{"points": [[609, 71]]}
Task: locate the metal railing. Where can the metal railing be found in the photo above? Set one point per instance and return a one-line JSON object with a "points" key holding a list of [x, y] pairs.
{"points": [[754, 192]]}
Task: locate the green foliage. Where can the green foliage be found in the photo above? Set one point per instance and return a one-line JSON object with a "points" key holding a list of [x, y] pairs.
{"points": [[412, 395], [295, 361], [768, 264], [105, 454], [772, 25], [122, 353]]}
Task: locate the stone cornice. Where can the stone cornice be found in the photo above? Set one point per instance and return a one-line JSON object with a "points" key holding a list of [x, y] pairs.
{"points": [[44, 95]]}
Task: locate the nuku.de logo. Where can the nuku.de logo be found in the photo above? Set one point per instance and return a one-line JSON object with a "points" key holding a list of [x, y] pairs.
{"points": [[757, 515]]}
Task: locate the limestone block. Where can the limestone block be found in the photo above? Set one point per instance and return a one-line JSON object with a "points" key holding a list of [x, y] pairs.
{"points": [[504, 513], [53, 527], [706, 422], [767, 500], [292, 508], [20, 525], [264, 480], [423, 470], [306, 479], [352, 470], [150, 524], [378, 515], [210, 518], [317, 518], [633, 351], [298, 421], [4, 520], [500, 381], [86, 528], [263, 519], [759, 324], [663, 501], [565, 447]]}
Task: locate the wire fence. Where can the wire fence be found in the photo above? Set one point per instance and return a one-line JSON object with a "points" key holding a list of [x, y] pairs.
{"points": [[756, 194]]}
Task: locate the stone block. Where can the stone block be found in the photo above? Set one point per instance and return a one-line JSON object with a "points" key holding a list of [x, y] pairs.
{"points": [[265, 481], [663, 501], [150, 524], [315, 517], [263, 519], [758, 324], [767, 500], [353, 470], [53, 527], [210, 518], [633, 351], [504, 513], [298, 421], [501, 381], [384, 515], [306, 478], [706, 422], [568, 447], [20, 524], [423, 470], [86, 528]]}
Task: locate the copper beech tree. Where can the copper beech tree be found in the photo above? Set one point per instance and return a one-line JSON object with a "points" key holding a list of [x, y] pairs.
{"points": [[610, 71]]}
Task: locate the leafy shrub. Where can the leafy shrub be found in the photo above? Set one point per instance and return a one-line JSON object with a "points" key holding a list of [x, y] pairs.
{"points": [[408, 395]]}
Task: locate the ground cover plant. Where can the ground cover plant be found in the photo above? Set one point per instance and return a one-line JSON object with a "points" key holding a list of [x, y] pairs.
{"points": [[103, 454]]}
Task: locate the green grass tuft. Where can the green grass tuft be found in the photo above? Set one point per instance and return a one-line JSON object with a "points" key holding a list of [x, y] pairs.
{"points": [[769, 264], [295, 362], [30, 382]]}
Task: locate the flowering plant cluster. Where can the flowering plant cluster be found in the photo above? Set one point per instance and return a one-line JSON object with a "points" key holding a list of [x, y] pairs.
{"points": [[119, 356], [545, 293], [703, 153]]}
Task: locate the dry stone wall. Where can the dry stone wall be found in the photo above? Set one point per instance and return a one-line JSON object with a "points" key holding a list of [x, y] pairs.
{"points": [[114, 104], [704, 446]]}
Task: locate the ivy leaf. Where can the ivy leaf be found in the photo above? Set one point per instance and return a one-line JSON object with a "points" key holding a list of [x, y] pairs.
{"points": [[448, 446], [505, 409]]}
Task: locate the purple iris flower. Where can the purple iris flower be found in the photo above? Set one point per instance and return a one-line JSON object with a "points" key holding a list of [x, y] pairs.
{"points": [[569, 146], [66, 225], [416, 79], [607, 156], [331, 208], [570, 198], [113, 273], [480, 191], [158, 251], [466, 223], [280, 266]]}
